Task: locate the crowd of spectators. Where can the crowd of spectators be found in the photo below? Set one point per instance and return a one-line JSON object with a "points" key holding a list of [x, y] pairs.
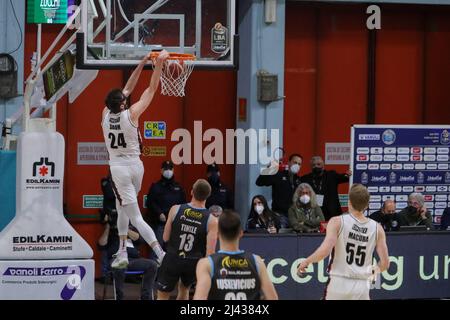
{"points": [[301, 204]]}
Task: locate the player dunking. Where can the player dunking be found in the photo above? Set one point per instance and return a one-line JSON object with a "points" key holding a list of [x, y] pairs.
{"points": [[123, 141], [232, 274], [191, 233], [351, 239]]}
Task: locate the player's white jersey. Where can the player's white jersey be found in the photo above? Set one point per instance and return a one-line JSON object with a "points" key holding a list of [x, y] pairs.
{"points": [[353, 253], [122, 138]]}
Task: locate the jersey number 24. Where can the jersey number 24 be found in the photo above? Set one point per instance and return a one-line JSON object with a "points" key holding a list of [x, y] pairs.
{"points": [[120, 139]]}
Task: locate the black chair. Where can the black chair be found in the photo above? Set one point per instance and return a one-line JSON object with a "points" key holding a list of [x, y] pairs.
{"points": [[110, 277]]}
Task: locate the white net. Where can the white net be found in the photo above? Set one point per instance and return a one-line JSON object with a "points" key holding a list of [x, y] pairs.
{"points": [[174, 76]]}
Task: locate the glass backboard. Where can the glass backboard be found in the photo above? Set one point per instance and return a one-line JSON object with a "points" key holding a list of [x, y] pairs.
{"points": [[118, 33]]}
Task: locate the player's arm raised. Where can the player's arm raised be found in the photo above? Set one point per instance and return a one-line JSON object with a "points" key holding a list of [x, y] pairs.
{"points": [[203, 274], [267, 287], [211, 238], [147, 96], [327, 245], [168, 227], [133, 80], [382, 249]]}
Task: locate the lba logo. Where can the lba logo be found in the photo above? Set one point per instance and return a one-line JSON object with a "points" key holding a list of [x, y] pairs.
{"points": [[42, 168]]}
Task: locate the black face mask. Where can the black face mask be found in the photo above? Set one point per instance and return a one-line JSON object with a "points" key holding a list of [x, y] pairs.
{"points": [[411, 210], [214, 179], [317, 171]]}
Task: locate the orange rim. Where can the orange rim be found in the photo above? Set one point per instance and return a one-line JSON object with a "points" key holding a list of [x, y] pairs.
{"points": [[175, 56]]}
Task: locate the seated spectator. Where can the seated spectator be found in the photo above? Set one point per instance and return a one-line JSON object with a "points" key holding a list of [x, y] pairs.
{"points": [[445, 219], [261, 218], [389, 220], [221, 195], [108, 209], [109, 198], [109, 243], [416, 214], [305, 214]]}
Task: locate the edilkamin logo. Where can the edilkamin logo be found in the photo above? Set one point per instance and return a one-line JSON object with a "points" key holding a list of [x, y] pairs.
{"points": [[44, 165], [43, 175]]}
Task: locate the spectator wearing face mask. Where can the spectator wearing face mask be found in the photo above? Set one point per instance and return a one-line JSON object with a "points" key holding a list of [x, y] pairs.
{"points": [[305, 214], [416, 214], [389, 220], [283, 183], [325, 185], [221, 195], [261, 218], [161, 196]]}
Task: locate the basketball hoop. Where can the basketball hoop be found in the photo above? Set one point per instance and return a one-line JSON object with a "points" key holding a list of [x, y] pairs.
{"points": [[175, 72]]}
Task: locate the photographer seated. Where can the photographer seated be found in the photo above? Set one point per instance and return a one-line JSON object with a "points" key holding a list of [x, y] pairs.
{"points": [[416, 214], [109, 243]]}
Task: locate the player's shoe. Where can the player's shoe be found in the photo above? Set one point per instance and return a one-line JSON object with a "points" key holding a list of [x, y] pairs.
{"points": [[120, 260]]}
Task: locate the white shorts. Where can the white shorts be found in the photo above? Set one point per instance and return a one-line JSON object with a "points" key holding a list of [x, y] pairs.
{"points": [[340, 288], [127, 181]]}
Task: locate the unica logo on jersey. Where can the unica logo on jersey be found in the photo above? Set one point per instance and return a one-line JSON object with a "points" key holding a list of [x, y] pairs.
{"points": [[229, 262], [189, 213]]}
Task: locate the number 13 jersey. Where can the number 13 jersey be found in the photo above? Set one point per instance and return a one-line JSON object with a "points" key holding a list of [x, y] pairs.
{"points": [[189, 232], [353, 253], [122, 138]]}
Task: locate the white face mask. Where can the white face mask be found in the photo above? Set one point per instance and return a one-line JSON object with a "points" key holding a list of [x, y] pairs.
{"points": [[295, 168], [259, 208], [305, 199], [168, 174]]}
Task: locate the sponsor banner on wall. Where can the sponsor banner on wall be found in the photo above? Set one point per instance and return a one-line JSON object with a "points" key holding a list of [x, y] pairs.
{"points": [[419, 265], [92, 201], [337, 153], [155, 129], [395, 161], [92, 153], [343, 199], [154, 151], [47, 280]]}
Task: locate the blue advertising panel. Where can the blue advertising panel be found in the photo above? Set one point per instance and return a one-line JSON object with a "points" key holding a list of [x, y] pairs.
{"points": [[394, 161], [7, 187], [419, 265]]}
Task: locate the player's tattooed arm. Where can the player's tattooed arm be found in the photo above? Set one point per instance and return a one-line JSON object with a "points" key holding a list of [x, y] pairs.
{"points": [[327, 245], [382, 249], [133, 80]]}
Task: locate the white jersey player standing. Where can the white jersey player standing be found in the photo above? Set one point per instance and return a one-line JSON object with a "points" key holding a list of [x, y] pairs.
{"points": [[123, 141], [351, 240]]}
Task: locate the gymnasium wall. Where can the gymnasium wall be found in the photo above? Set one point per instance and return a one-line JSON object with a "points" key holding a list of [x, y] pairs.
{"points": [[327, 71], [326, 76]]}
